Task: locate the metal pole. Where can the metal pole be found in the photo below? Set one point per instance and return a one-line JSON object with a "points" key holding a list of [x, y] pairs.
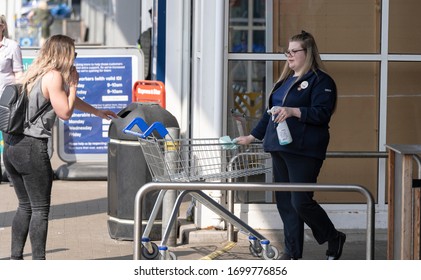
{"points": [[170, 196], [230, 228]]}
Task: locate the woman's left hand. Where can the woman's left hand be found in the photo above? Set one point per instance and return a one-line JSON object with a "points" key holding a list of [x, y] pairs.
{"points": [[286, 112], [106, 114], [282, 114]]}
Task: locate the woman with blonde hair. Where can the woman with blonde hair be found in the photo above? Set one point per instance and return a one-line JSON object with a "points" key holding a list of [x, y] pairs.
{"points": [[305, 98], [51, 77]]}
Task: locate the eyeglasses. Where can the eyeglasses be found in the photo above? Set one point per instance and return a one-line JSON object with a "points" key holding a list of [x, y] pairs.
{"points": [[75, 55], [293, 52]]}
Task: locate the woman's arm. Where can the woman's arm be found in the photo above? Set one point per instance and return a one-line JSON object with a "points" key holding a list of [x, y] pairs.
{"points": [[53, 88], [87, 108], [64, 103], [18, 75], [17, 63], [244, 140], [323, 100]]}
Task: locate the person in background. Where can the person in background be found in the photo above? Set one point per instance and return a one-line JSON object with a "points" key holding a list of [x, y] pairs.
{"points": [[41, 16], [11, 66], [51, 77], [306, 98]]}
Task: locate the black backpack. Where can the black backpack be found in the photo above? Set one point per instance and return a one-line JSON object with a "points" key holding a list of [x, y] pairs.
{"points": [[13, 107]]}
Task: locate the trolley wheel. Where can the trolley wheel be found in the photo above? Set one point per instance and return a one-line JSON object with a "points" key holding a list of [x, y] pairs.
{"points": [[256, 252], [150, 256], [169, 256], [271, 254]]}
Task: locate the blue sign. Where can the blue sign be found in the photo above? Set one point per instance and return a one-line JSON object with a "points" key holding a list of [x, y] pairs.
{"points": [[106, 84]]}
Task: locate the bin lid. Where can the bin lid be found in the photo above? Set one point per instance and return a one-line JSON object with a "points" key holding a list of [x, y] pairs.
{"points": [[149, 112]]}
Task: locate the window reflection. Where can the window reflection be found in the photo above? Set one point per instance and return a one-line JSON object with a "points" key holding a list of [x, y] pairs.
{"points": [[247, 34], [403, 103], [246, 95]]}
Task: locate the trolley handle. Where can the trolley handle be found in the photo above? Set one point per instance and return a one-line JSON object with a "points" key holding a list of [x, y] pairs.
{"points": [[143, 126]]}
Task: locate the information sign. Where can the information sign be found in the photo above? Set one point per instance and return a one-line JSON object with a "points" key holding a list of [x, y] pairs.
{"points": [[106, 81], [106, 78]]}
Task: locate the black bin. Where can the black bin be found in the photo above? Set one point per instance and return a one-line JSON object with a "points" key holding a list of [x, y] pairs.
{"points": [[128, 171]]}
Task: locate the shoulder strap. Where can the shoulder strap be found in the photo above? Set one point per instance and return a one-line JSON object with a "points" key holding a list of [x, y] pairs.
{"points": [[40, 111]]}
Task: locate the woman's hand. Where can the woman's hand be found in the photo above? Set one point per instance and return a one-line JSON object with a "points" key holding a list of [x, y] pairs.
{"points": [[88, 108], [106, 114], [244, 140], [282, 113], [74, 77]]}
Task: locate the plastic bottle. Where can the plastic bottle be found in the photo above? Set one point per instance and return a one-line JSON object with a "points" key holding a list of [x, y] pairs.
{"points": [[284, 136]]}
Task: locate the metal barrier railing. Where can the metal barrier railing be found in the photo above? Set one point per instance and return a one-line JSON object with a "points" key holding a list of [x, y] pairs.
{"points": [[356, 154], [197, 186], [331, 154]]}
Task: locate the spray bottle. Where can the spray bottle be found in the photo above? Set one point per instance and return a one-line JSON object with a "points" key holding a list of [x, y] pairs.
{"points": [[284, 136]]}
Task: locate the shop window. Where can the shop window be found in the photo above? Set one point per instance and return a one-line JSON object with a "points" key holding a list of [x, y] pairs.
{"points": [[404, 27]]}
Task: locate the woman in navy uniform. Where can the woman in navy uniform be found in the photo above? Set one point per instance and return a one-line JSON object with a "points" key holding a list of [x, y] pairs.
{"points": [[305, 97]]}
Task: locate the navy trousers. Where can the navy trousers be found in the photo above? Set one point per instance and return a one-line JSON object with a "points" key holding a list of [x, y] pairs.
{"points": [[297, 208]]}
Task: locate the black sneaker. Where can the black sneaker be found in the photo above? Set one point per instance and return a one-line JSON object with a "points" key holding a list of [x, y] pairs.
{"points": [[286, 256], [335, 247]]}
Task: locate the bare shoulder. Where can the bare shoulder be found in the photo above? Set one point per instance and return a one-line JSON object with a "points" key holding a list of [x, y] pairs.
{"points": [[52, 78], [52, 81], [52, 75]]}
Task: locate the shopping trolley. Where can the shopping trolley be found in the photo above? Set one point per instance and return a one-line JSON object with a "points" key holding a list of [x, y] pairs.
{"points": [[192, 160]]}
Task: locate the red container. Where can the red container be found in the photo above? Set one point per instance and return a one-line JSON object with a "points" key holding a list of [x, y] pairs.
{"points": [[149, 91]]}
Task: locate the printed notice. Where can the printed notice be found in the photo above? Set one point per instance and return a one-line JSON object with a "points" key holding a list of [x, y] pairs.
{"points": [[106, 84]]}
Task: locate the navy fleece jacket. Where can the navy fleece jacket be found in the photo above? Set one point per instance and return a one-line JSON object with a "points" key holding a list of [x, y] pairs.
{"points": [[315, 95]]}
